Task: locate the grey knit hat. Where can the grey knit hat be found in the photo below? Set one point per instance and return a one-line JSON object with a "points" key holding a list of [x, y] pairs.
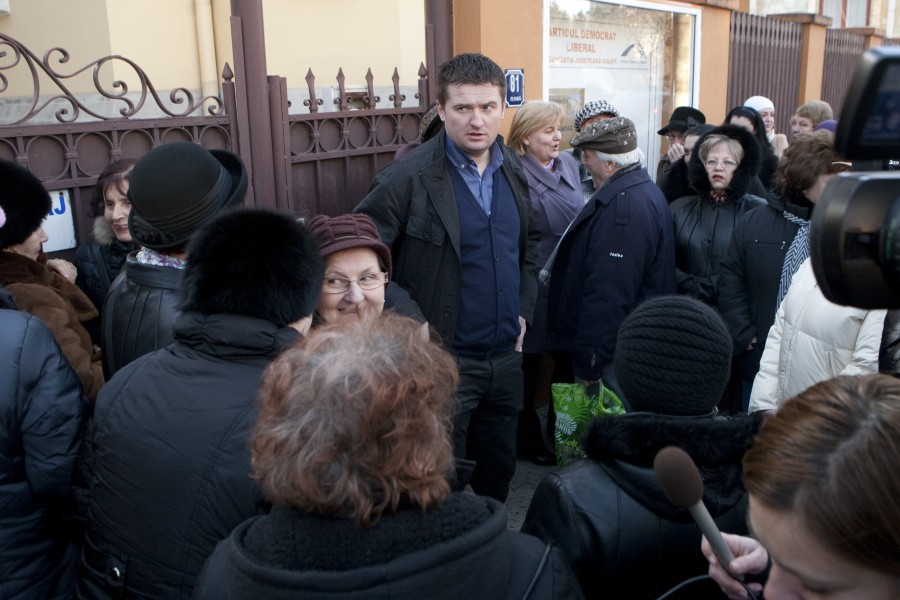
{"points": [[673, 357]]}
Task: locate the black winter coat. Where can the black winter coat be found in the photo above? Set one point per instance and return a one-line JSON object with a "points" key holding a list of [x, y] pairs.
{"points": [[139, 313], [751, 273], [459, 549], [704, 227], [412, 202], [167, 457], [42, 414], [609, 516], [99, 262]]}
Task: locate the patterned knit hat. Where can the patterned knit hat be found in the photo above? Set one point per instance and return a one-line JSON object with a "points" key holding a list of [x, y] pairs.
{"points": [[591, 110], [343, 232], [673, 356]]}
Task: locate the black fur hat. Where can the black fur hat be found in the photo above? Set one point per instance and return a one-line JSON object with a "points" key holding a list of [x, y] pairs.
{"points": [[23, 204], [747, 168], [253, 262]]}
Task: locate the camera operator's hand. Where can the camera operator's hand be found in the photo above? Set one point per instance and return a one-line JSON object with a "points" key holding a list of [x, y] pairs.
{"points": [[750, 557], [676, 152]]}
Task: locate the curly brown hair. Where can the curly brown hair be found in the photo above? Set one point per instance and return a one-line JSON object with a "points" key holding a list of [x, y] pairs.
{"points": [[356, 419], [809, 156]]}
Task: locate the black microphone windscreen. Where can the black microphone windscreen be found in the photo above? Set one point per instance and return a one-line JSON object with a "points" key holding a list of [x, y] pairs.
{"points": [[678, 476]]}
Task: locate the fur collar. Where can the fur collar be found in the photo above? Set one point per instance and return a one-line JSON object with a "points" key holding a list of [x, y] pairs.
{"points": [[103, 231], [746, 170], [15, 268], [625, 446], [292, 539], [637, 437]]}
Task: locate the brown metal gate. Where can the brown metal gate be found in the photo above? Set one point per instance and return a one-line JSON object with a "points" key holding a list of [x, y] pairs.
{"points": [[842, 51], [316, 162], [764, 60]]}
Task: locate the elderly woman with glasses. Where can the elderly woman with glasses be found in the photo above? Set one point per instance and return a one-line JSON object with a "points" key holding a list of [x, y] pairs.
{"points": [[357, 268], [721, 170]]}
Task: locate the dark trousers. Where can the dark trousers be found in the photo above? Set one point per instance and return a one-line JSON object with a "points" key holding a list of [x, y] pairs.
{"points": [[536, 367], [484, 430]]}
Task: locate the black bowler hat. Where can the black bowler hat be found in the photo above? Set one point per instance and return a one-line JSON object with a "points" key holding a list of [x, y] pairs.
{"points": [[176, 188], [682, 119]]}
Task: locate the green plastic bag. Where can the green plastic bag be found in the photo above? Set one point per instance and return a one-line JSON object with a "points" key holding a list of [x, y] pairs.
{"points": [[575, 409]]}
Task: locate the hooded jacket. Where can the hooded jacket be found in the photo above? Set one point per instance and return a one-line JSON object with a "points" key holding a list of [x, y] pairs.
{"points": [[42, 413], [166, 457], [768, 161], [458, 549], [609, 516], [704, 227], [61, 306]]}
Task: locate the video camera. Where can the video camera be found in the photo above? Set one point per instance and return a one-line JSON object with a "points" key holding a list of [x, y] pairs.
{"points": [[855, 228]]}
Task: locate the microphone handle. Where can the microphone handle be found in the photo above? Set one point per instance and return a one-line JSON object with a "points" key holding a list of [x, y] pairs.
{"points": [[711, 531]]}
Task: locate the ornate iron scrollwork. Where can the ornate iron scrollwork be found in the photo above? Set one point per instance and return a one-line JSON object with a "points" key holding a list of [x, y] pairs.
{"points": [[13, 53]]}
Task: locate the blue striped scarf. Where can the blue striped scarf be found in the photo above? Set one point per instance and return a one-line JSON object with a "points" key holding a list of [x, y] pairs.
{"points": [[796, 254]]}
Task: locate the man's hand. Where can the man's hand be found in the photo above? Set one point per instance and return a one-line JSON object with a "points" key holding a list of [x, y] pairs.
{"points": [[521, 339], [750, 557], [675, 153]]}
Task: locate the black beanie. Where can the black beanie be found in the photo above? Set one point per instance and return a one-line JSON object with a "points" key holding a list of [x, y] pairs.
{"points": [[673, 356], [23, 204], [253, 262]]}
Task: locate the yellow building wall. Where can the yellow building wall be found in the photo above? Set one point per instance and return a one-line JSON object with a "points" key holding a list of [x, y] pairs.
{"points": [[28, 22], [510, 32], [161, 37], [350, 34]]}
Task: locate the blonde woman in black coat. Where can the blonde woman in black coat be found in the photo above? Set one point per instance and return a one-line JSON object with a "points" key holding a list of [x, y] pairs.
{"points": [[722, 168]]}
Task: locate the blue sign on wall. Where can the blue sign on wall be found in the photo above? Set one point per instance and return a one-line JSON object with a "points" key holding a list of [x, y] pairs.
{"points": [[515, 87]]}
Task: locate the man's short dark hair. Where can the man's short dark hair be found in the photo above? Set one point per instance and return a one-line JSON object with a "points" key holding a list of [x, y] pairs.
{"points": [[469, 69]]}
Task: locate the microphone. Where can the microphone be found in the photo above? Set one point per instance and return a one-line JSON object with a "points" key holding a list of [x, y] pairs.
{"points": [[682, 485]]}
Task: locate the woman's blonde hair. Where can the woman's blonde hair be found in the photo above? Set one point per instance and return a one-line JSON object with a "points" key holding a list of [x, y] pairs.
{"points": [[533, 115]]}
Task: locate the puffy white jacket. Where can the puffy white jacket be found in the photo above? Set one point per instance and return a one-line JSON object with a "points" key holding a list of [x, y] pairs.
{"points": [[813, 340]]}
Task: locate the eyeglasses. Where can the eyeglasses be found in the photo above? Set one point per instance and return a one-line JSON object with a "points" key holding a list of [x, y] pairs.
{"points": [[675, 137], [712, 163], [340, 285]]}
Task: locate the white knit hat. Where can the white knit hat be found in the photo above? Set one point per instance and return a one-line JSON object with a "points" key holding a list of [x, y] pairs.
{"points": [[759, 103]]}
